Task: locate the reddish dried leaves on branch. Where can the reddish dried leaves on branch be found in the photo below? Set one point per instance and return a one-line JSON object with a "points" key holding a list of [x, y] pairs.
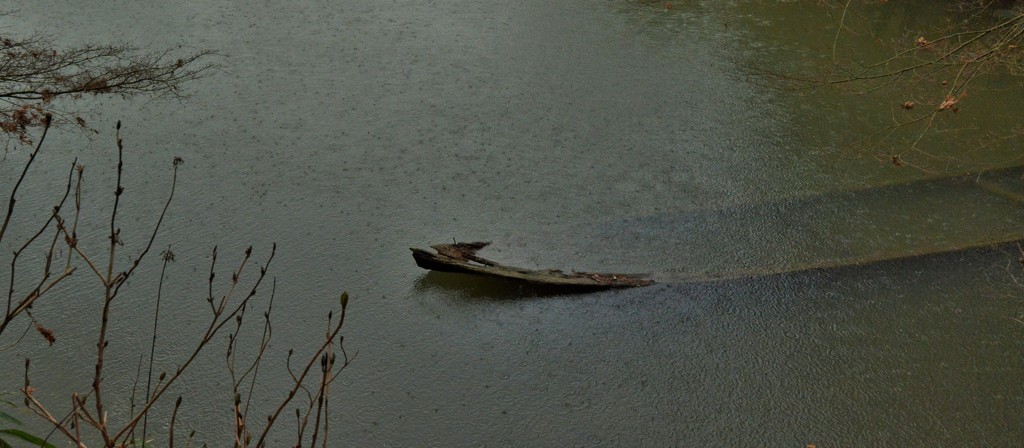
{"points": [[16, 122], [950, 103], [47, 333], [34, 76]]}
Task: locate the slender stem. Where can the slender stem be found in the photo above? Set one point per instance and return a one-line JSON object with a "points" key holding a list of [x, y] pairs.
{"points": [[218, 322], [78, 211], [174, 418], [298, 381], [12, 310], [14, 191], [839, 29], [168, 257], [123, 277]]}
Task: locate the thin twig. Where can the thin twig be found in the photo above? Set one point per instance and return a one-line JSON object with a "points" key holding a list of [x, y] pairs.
{"points": [[14, 191], [839, 29]]}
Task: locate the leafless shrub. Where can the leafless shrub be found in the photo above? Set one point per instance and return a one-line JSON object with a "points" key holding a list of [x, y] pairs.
{"points": [[85, 420]]}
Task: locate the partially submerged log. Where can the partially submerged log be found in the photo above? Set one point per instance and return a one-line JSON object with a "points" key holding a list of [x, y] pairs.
{"points": [[462, 258]]}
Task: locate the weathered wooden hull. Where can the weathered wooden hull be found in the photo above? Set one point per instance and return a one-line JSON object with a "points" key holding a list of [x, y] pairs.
{"points": [[462, 258]]}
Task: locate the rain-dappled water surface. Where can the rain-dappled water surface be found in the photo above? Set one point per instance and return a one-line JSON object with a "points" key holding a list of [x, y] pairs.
{"points": [[609, 135]]}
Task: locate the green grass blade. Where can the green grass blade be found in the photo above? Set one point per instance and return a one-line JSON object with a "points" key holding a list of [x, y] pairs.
{"points": [[5, 417], [22, 435]]}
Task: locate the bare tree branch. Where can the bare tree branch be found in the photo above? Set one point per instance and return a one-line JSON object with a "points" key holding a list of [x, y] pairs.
{"points": [[38, 78]]}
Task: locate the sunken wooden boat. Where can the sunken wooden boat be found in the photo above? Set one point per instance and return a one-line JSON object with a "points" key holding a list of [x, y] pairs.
{"points": [[461, 258]]}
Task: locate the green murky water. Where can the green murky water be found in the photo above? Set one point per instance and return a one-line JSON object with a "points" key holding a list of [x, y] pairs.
{"points": [[610, 135]]}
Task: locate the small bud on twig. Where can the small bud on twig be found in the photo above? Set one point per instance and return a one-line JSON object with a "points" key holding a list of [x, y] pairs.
{"points": [[47, 333]]}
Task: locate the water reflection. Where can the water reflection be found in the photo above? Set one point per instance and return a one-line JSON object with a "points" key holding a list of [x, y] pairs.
{"points": [[463, 287]]}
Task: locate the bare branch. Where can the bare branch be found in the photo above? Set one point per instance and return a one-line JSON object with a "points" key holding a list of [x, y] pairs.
{"points": [[36, 75]]}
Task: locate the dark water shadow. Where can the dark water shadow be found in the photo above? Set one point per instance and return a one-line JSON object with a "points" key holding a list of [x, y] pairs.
{"points": [[472, 287], [949, 264], [824, 231]]}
